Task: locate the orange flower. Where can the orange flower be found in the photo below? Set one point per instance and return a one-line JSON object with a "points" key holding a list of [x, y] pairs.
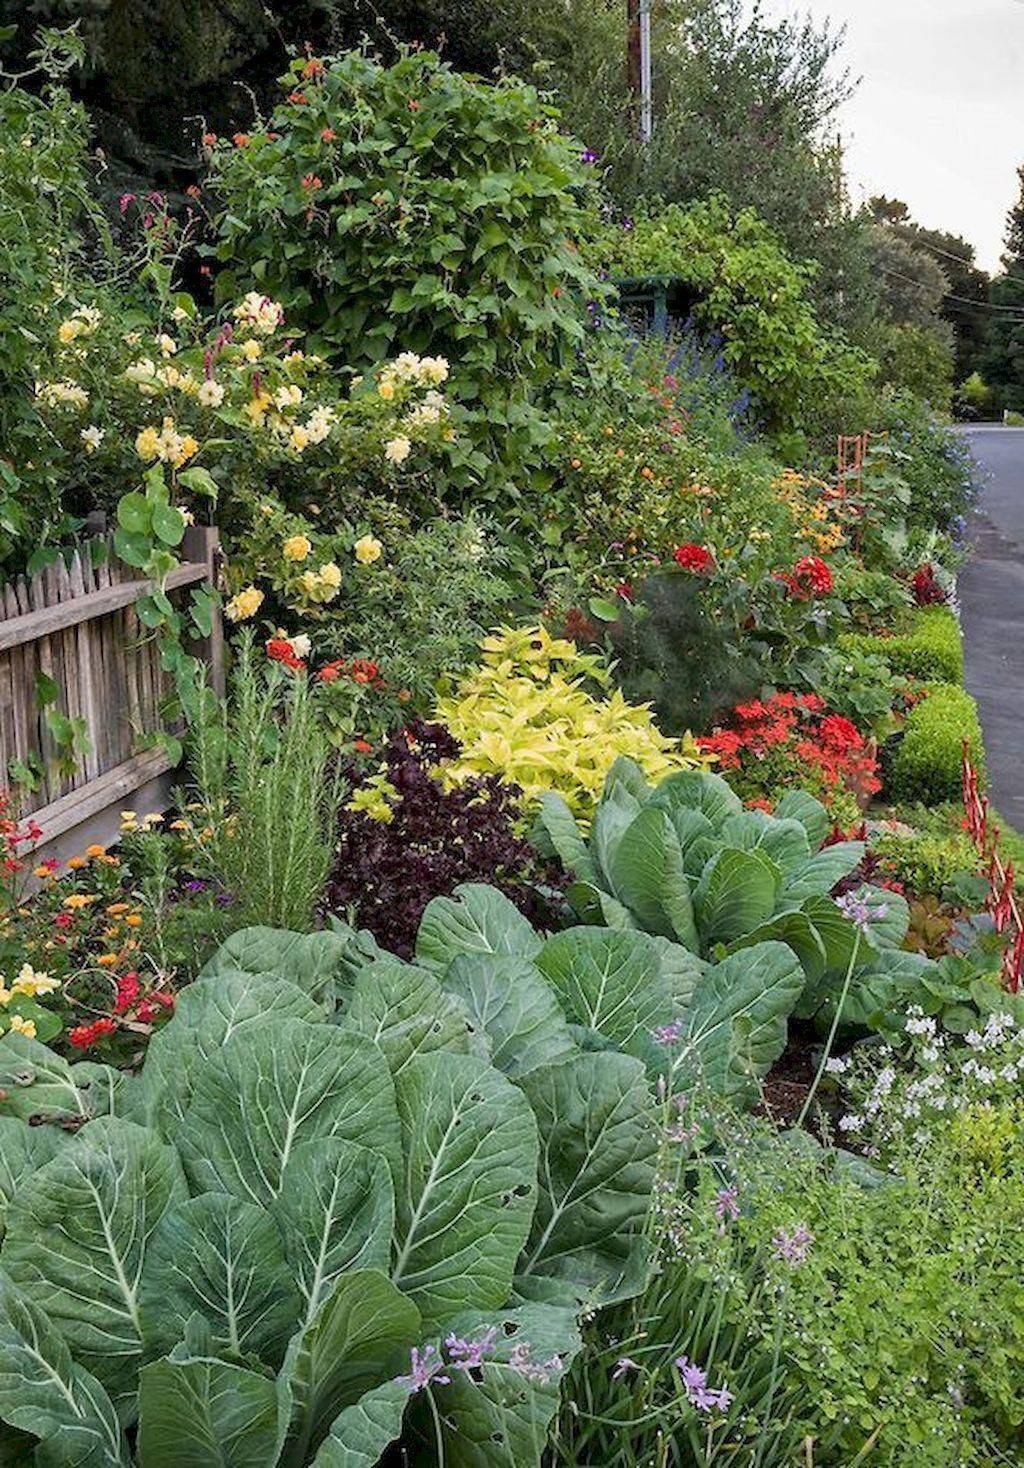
{"points": [[107, 960], [298, 98], [209, 140], [77, 863], [328, 135], [117, 908], [241, 140], [96, 850], [133, 920]]}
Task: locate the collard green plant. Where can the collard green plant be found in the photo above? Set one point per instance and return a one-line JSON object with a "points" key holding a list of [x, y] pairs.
{"points": [[686, 862], [316, 1223]]}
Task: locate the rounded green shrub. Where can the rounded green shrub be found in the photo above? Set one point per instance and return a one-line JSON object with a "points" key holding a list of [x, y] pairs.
{"points": [[927, 762], [412, 208], [932, 649]]}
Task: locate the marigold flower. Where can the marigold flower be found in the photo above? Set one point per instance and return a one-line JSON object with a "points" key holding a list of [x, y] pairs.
{"points": [[107, 960], [244, 604], [241, 140], [297, 548], [96, 850], [77, 863], [367, 550]]}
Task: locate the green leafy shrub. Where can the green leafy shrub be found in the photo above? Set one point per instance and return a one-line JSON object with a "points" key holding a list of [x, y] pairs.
{"points": [[750, 292], [934, 461], [412, 208], [923, 861], [932, 649], [926, 763], [687, 863], [857, 684], [872, 598]]}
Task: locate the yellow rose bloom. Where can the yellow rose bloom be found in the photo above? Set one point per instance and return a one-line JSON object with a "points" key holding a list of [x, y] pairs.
{"points": [[244, 604], [296, 547], [367, 550], [147, 443]]}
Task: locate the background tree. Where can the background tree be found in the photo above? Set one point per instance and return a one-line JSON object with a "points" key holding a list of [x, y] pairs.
{"points": [[1004, 363]]}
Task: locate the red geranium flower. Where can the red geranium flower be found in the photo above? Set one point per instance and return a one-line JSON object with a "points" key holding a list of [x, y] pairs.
{"points": [[810, 577], [694, 558]]}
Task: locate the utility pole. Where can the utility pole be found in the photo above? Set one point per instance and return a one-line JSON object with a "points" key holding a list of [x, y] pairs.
{"points": [[638, 63]]}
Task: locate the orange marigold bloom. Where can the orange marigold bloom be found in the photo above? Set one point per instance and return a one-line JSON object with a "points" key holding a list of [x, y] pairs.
{"points": [[77, 863], [107, 960], [241, 140], [96, 850]]}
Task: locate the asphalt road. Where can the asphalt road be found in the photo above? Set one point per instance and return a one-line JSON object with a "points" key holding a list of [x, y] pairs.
{"points": [[992, 597]]}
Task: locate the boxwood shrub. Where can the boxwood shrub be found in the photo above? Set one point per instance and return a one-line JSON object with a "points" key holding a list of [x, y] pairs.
{"points": [[932, 649], [926, 764]]}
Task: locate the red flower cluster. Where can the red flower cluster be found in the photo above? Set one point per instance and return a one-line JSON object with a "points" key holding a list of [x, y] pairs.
{"points": [[694, 558], [280, 650], [926, 589], [798, 728], [360, 670], [12, 836], [810, 577], [83, 1037]]}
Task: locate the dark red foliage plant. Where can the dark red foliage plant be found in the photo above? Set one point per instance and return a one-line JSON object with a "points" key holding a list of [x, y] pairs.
{"points": [[386, 869]]}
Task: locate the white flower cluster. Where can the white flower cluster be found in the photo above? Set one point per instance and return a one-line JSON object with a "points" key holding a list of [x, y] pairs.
{"points": [[62, 394], [259, 314]]}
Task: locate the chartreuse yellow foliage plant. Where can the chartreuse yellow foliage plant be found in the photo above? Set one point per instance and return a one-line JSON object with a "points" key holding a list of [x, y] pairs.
{"points": [[538, 712]]}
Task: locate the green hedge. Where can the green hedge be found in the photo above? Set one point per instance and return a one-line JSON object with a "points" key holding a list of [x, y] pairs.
{"points": [[927, 762], [932, 649]]}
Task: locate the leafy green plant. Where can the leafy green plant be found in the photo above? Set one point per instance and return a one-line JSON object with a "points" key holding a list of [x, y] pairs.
{"points": [[926, 763], [750, 292], [687, 863], [931, 649], [329, 1158], [925, 861], [412, 208], [262, 800], [859, 685], [873, 598]]}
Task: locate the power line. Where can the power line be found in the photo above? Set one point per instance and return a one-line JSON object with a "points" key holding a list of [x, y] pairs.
{"points": [[1006, 312]]}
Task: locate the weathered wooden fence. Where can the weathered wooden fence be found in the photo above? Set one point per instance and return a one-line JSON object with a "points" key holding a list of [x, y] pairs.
{"points": [[76, 623]]}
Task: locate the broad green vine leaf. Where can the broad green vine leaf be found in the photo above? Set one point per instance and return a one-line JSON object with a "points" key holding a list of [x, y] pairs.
{"points": [[469, 1186], [608, 981], [44, 1392], [358, 1339], [475, 919], [360, 1433], [598, 1144], [205, 1411], [336, 1213], [95, 1205], [512, 1011], [402, 1008], [275, 1086], [221, 1258]]}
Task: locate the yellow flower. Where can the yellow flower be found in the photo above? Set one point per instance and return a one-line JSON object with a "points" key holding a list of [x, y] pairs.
{"points": [[386, 390], [32, 982], [42, 872], [147, 443], [78, 900], [251, 350], [107, 960], [367, 550], [133, 920], [244, 604], [26, 1027], [188, 448], [168, 346], [77, 863], [299, 438], [116, 908], [5, 995], [330, 574], [96, 850], [296, 547], [67, 331], [257, 407]]}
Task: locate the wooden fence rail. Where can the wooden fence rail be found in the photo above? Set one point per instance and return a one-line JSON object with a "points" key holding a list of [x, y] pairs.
{"points": [[75, 622]]}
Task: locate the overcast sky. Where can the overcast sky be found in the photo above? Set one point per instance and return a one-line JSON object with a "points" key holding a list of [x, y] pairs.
{"points": [[939, 116]]}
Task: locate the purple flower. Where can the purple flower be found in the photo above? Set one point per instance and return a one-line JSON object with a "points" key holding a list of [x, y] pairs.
{"points": [[669, 1034], [521, 1360], [124, 201], [695, 1384], [196, 885], [727, 1207], [589, 156], [859, 910], [624, 1364], [466, 1355], [425, 1366], [793, 1248]]}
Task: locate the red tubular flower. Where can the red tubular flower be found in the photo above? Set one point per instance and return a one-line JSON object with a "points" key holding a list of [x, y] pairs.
{"points": [[694, 558]]}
